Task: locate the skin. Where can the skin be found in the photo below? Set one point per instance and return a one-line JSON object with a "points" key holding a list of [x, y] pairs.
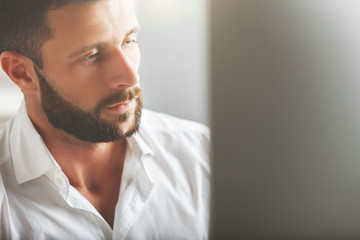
{"points": [[85, 78]]}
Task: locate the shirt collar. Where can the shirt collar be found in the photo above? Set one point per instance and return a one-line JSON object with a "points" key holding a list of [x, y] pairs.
{"points": [[29, 153], [138, 145]]}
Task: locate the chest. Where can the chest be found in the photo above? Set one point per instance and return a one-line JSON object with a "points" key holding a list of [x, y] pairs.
{"points": [[143, 210], [103, 196]]}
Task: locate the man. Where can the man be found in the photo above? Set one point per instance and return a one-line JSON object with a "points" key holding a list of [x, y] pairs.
{"points": [[77, 162]]}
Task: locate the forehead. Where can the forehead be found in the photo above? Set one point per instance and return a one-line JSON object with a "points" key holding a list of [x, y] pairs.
{"points": [[78, 24]]}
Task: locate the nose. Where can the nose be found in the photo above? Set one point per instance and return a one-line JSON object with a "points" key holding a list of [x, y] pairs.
{"points": [[122, 69]]}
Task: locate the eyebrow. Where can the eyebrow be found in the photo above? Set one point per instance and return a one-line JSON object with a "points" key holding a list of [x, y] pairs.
{"points": [[133, 30], [86, 49], [98, 45]]}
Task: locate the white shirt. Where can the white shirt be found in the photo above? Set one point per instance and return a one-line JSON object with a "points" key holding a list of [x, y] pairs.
{"points": [[164, 190]]}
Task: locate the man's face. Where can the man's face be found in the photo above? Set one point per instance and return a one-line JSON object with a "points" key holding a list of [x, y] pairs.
{"points": [[90, 84]]}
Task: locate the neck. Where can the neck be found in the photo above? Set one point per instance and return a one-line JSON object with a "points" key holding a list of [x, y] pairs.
{"points": [[81, 161]]}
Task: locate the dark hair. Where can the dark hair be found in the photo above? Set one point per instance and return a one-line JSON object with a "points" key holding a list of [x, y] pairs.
{"points": [[24, 28]]}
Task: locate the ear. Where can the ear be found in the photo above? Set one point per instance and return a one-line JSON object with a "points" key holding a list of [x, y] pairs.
{"points": [[20, 70]]}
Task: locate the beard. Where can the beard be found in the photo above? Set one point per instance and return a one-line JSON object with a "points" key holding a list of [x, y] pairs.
{"points": [[89, 126]]}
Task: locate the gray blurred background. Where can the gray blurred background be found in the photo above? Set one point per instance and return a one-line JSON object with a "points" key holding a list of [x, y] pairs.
{"points": [[173, 65], [286, 119]]}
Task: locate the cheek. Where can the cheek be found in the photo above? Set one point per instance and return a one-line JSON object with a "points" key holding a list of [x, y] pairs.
{"points": [[89, 97], [135, 57], [138, 55], [82, 92]]}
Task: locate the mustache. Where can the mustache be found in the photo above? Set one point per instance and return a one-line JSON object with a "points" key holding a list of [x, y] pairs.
{"points": [[122, 96]]}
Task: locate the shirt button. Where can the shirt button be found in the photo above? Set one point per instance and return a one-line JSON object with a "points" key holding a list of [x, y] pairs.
{"points": [[59, 182]]}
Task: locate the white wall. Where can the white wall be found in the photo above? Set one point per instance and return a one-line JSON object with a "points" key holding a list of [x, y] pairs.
{"points": [[173, 45], [10, 97]]}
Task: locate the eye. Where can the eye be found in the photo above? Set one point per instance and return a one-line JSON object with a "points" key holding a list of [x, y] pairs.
{"points": [[129, 43], [91, 57]]}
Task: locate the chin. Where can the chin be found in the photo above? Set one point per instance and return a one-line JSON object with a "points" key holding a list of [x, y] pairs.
{"points": [[127, 125]]}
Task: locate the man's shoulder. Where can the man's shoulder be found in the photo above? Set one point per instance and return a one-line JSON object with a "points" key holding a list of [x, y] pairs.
{"points": [[172, 136], [161, 122]]}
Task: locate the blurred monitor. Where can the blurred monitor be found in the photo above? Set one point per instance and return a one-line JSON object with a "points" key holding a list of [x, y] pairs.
{"points": [[285, 119]]}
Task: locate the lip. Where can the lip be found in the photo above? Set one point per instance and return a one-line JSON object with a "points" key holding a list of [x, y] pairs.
{"points": [[121, 107]]}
